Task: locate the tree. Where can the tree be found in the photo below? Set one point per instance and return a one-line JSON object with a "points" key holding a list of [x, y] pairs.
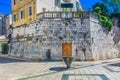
{"points": [[102, 8], [116, 15], [103, 14], [113, 5]]}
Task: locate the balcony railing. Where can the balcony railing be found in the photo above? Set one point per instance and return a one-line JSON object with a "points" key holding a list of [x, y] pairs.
{"points": [[64, 15]]}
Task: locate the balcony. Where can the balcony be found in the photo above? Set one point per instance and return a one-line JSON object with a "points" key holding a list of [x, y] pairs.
{"points": [[64, 15]]}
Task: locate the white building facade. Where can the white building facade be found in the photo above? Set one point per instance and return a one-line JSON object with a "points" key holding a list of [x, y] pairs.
{"points": [[55, 5]]}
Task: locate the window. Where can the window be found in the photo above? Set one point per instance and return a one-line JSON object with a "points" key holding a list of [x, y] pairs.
{"points": [[14, 17], [21, 0], [77, 6], [57, 3], [14, 2], [30, 11], [22, 14]]}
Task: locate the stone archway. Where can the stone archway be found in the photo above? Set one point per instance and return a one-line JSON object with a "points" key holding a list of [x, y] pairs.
{"points": [[48, 54]]}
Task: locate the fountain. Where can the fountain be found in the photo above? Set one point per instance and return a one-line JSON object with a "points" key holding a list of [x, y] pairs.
{"points": [[67, 54], [68, 61], [67, 46]]}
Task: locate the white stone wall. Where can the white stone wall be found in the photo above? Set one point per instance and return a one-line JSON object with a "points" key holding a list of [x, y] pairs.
{"points": [[52, 33], [8, 21], [49, 5], [2, 25], [102, 42], [91, 41], [74, 2]]}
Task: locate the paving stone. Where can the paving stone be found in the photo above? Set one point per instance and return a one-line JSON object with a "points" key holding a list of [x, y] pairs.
{"points": [[41, 71]]}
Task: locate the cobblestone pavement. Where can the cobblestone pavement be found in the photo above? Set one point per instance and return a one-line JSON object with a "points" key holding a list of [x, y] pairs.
{"points": [[17, 69]]}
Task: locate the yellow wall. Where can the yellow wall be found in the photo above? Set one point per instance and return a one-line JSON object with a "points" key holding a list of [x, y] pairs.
{"points": [[23, 5]]}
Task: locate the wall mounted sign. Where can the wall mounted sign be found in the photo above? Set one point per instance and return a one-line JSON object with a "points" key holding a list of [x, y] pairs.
{"points": [[68, 5]]}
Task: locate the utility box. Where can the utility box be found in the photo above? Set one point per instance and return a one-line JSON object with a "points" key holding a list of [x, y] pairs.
{"points": [[3, 48]]}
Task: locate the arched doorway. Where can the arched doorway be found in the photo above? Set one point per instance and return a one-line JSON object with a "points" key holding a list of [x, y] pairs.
{"points": [[48, 54]]}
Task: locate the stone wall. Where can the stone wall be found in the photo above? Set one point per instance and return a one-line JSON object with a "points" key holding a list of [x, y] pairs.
{"points": [[102, 42], [89, 40]]}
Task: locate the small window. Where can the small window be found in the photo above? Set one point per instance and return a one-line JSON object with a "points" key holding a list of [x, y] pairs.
{"points": [[22, 14], [57, 3], [14, 2], [77, 6], [30, 11], [14, 17]]}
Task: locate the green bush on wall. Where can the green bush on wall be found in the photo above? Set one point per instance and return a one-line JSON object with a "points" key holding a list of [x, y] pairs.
{"points": [[4, 48]]}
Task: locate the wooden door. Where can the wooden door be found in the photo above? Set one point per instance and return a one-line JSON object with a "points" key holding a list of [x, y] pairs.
{"points": [[66, 49]]}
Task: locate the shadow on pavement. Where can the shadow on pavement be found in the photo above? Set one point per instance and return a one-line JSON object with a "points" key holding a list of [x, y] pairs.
{"points": [[58, 69], [115, 64], [14, 59], [11, 60]]}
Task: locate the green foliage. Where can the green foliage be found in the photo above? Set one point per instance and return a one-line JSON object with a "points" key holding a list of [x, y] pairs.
{"points": [[106, 22], [97, 10], [113, 5], [104, 17], [102, 8], [116, 15]]}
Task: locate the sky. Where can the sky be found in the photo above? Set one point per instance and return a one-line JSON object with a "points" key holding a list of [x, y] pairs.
{"points": [[5, 5], [88, 3]]}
